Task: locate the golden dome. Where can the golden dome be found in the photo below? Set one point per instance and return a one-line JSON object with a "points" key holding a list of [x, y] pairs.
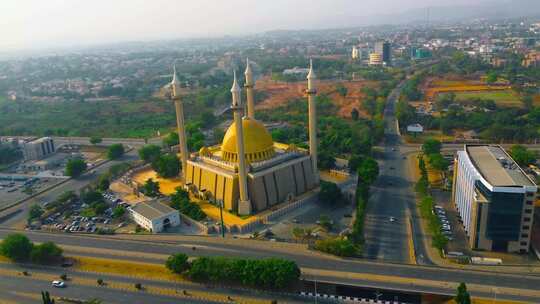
{"points": [[257, 142]]}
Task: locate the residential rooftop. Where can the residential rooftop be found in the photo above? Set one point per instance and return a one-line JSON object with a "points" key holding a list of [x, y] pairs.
{"points": [[496, 166]]}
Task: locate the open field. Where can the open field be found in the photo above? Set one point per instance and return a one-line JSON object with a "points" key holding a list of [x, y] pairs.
{"points": [[432, 92], [112, 119], [280, 93], [504, 98]]}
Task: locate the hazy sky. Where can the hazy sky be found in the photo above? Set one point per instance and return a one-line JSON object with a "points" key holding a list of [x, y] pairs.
{"points": [[45, 23]]}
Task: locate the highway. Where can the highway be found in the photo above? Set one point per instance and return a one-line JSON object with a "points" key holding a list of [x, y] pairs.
{"points": [[390, 196], [341, 270]]}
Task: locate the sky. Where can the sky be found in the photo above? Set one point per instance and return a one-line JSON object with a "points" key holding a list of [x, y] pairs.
{"points": [[31, 24]]}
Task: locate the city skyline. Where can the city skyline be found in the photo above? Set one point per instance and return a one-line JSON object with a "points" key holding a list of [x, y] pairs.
{"points": [[34, 24]]}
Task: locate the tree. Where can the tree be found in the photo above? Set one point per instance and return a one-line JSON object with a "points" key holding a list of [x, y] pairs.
{"points": [[368, 170], [167, 165], [431, 146], [325, 222], [99, 207], [118, 212], [149, 153], [177, 263], [527, 101], [341, 90], [115, 151], [438, 162], [95, 140], [326, 159], [46, 298], [34, 213], [16, 247], [330, 193], [522, 155], [354, 162], [355, 114], [91, 196], [151, 188], [462, 295], [75, 167], [171, 139], [46, 253], [491, 77], [180, 201], [443, 101], [103, 183]]}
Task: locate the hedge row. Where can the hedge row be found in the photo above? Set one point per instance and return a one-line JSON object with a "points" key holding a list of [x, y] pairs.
{"points": [[271, 273]]}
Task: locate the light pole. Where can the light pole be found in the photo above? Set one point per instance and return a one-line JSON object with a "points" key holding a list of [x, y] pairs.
{"points": [[316, 295], [494, 289], [220, 202]]}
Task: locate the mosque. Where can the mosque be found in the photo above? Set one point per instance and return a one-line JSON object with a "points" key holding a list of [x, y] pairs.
{"points": [[249, 172]]}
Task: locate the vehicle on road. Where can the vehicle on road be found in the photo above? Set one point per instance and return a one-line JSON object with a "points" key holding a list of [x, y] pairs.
{"points": [[58, 284], [392, 219]]}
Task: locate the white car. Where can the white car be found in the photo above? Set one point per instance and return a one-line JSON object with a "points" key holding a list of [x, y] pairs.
{"points": [[392, 219], [58, 284]]}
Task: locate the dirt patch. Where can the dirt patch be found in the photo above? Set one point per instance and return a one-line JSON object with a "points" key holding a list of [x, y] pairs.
{"points": [[281, 93]]}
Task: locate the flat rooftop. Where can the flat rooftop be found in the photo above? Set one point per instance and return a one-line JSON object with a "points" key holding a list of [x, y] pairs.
{"points": [[152, 209], [496, 166]]}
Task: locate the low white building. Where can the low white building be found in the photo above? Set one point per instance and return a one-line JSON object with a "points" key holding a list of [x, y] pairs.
{"points": [[155, 216]]}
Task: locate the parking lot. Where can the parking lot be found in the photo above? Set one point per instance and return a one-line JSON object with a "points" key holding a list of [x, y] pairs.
{"points": [[72, 218], [452, 226], [12, 191]]}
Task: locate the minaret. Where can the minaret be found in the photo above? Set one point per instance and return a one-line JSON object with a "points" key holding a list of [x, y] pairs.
{"points": [[244, 205], [179, 106], [249, 91], [312, 112]]}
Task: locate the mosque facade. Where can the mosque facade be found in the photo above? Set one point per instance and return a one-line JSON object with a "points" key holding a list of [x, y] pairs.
{"points": [[249, 172]]}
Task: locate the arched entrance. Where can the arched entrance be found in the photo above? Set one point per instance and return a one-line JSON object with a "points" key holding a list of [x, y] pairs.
{"points": [[166, 223]]}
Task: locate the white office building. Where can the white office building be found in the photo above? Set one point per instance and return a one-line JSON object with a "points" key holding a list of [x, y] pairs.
{"points": [[38, 149], [494, 198], [155, 216]]}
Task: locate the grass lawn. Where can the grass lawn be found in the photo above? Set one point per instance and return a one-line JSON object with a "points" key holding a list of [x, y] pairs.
{"points": [[504, 98], [126, 268]]}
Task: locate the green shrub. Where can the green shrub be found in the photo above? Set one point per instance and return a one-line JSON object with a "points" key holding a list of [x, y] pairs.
{"points": [[16, 247], [46, 253], [177, 263], [337, 246]]}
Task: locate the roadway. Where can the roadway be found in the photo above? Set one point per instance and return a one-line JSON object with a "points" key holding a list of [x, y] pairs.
{"points": [[390, 195], [342, 269]]}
